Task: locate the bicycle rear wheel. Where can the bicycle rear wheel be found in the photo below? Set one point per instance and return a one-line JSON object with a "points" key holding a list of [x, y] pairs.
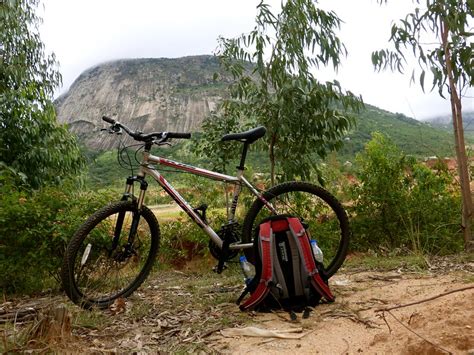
{"points": [[327, 220], [110, 255]]}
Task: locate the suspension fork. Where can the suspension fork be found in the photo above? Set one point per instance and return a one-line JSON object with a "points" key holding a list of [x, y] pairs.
{"points": [[136, 214]]}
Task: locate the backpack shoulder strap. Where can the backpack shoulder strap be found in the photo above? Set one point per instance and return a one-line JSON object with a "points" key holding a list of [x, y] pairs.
{"points": [[299, 233], [263, 287]]}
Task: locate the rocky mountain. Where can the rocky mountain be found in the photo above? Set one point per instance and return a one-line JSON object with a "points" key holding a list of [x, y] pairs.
{"points": [[158, 94], [177, 94]]}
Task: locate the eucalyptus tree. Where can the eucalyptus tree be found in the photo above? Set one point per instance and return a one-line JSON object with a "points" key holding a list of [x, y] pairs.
{"points": [[279, 88], [439, 35], [32, 145]]}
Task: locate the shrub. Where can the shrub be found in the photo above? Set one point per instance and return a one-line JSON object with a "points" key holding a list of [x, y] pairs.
{"points": [[400, 204], [181, 241], [34, 229]]}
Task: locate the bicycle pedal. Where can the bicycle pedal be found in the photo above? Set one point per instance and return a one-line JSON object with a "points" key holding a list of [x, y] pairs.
{"points": [[218, 270], [306, 312]]}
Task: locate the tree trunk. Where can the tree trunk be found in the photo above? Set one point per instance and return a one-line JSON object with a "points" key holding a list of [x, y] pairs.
{"points": [[272, 158], [463, 166]]}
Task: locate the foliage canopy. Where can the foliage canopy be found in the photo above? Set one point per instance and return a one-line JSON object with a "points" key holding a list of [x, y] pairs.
{"points": [[416, 30], [279, 89], [33, 147]]}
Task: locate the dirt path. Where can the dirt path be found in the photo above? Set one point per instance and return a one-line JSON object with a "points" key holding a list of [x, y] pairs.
{"points": [[187, 311], [352, 325]]}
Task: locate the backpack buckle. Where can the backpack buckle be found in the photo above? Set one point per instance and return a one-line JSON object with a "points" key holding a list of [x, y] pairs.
{"points": [[300, 233]]}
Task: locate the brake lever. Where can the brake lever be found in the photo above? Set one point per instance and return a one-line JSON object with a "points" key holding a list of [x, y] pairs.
{"points": [[161, 143], [162, 140], [113, 130]]}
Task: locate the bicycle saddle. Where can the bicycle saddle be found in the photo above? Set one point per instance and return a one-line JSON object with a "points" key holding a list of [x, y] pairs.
{"points": [[249, 136]]}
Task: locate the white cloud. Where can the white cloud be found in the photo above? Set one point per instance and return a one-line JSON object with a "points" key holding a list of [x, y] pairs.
{"points": [[85, 33]]}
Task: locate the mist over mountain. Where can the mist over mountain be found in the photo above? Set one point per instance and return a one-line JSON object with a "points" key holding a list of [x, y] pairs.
{"points": [[446, 121]]}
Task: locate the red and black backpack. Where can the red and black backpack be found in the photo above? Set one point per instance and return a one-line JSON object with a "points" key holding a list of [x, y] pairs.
{"points": [[287, 276]]}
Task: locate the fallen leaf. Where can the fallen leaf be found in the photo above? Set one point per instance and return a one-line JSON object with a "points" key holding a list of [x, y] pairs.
{"points": [[118, 306]]}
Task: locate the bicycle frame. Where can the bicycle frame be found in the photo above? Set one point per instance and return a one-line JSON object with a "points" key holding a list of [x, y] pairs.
{"points": [[147, 168]]}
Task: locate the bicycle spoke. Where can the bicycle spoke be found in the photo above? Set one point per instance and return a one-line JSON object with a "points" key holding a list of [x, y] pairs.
{"points": [[105, 262]]}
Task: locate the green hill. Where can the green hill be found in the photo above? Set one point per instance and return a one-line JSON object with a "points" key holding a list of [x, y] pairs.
{"points": [[413, 137]]}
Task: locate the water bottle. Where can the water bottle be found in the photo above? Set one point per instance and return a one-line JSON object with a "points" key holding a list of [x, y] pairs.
{"points": [[246, 269], [317, 252]]}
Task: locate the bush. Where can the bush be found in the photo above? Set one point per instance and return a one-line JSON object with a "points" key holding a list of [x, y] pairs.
{"points": [[181, 241], [34, 230], [400, 204]]}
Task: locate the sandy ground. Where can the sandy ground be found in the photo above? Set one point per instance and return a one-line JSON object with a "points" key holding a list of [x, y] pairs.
{"points": [[354, 325], [186, 311]]}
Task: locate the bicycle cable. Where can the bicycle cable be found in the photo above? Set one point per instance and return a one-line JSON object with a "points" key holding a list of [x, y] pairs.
{"points": [[120, 159], [125, 161]]}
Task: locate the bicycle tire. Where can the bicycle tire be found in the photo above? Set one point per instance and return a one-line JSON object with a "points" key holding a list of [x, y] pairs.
{"points": [[94, 273], [327, 219]]}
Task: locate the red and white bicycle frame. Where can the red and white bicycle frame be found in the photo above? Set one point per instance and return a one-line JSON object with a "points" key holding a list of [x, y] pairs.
{"points": [[147, 168]]}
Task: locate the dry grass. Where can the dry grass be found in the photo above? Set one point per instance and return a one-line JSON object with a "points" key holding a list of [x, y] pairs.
{"points": [[173, 312]]}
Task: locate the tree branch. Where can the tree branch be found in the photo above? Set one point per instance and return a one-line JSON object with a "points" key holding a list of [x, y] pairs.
{"points": [[387, 309]]}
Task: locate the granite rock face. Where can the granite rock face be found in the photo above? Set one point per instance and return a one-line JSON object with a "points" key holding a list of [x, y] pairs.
{"points": [[156, 94]]}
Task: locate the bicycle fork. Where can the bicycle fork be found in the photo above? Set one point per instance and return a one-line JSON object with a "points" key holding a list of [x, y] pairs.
{"points": [[128, 248]]}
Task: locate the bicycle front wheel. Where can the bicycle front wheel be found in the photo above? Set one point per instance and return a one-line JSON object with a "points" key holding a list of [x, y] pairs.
{"points": [[326, 218], [110, 255]]}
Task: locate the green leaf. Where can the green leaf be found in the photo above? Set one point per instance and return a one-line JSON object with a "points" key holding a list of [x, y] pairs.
{"points": [[422, 80]]}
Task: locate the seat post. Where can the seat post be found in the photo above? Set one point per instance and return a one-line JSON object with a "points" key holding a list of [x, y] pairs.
{"points": [[244, 155]]}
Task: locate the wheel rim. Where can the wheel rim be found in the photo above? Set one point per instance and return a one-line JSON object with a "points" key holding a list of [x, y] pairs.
{"points": [[102, 273]]}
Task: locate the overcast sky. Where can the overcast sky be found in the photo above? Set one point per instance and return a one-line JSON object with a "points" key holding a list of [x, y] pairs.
{"points": [[87, 32]]}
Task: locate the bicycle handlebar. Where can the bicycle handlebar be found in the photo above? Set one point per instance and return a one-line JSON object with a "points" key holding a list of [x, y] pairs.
{"points": [[149, 137], [108, 120], [178, 135]]}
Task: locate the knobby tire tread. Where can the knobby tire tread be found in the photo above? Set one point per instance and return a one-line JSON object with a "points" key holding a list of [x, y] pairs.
{"points": [[78, 238]]}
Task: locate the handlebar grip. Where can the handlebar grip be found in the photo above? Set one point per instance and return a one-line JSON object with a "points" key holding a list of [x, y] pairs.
{"points": [[108, 120], [178, 135]]}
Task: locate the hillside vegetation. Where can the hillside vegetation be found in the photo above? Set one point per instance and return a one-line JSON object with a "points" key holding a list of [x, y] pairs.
{"points": [[413, 137]]}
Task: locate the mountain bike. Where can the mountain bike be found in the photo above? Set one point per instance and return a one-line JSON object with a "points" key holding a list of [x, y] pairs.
{"points": [[112, 253]]}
